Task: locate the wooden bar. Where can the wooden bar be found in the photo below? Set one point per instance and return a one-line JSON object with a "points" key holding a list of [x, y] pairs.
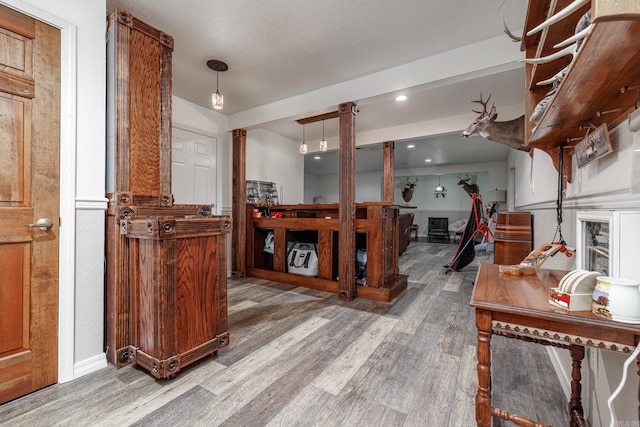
{"points": [[376, 230]]}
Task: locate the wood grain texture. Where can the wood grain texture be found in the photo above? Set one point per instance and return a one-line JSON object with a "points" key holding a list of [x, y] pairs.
{"points": [[413, 364]]}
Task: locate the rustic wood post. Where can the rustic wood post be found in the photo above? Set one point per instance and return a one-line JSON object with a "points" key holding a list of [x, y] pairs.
{"points": [[239, 209], [347, 197], [387, 171]]}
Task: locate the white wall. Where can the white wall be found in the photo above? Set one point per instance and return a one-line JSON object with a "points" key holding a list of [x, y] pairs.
{"points": [[271, 157], [369, 185], [608, 183]]}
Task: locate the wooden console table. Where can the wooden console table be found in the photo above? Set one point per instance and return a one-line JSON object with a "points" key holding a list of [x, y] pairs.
{"points": [[518, 307]]}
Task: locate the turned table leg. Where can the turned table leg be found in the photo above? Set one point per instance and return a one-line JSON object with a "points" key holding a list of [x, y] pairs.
{"points": [[575, 403], [483, 396]]}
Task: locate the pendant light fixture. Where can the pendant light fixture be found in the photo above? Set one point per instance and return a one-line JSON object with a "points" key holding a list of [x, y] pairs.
{"points": [[440, 191], [303, 146], [323, 143], [217, 100]]}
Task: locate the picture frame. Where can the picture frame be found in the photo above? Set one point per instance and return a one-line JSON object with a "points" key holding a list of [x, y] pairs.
{"points": [[594, 146]]}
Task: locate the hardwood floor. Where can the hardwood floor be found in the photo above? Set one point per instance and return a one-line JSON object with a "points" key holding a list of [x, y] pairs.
{"points": [[300, 357]]}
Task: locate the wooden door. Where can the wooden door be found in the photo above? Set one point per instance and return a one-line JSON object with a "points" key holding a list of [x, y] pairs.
{"points": [[29, 190], [193, 170]]}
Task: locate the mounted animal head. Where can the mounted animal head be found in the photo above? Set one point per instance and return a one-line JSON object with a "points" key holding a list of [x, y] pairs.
{"points": [[510, 133], [468, 184], [407, 191]]}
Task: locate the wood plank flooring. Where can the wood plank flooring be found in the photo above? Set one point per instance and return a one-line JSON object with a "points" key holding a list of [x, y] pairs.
{"points": [[300, 357]]}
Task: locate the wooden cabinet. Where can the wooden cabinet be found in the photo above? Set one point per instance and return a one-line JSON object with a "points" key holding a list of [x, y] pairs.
{"points": [[602, 82], [165, 263], [138, 111], [513, 237], [376, 227], [177, 289]]}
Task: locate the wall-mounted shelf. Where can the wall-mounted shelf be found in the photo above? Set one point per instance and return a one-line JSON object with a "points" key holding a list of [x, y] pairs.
{"points": [[602, 81]]}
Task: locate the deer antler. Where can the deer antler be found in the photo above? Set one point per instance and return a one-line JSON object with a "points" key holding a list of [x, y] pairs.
{"points": [[411, 183], [483, 103], [508, 32]]}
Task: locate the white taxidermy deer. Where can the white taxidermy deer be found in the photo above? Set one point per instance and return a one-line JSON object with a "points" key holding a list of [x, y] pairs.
{"points": [[510, 133]]}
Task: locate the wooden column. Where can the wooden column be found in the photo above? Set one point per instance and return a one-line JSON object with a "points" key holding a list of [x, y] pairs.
{"points": [[347, 198], [387, 171], [239, 210]]}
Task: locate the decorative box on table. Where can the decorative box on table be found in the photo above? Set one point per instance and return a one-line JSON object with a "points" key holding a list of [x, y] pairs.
{"points": [[574, 291]]}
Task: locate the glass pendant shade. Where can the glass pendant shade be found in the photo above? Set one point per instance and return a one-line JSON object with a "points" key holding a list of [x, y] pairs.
{"points": [[323, 143], [217, 100], [440, 191], [303, 146]]}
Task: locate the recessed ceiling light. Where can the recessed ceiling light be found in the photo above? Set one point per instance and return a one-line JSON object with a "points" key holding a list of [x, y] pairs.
{"points": [[317, 157], [427, 160], [410, 146], [401, 98]]}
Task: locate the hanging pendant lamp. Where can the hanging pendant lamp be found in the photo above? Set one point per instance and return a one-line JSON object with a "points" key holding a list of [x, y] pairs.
{"points": [[440, 191], [303, 146], [323, 143], [217, 100]]}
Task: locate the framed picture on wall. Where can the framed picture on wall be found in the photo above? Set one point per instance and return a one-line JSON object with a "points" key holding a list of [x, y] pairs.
{"points": [[594, 146]]}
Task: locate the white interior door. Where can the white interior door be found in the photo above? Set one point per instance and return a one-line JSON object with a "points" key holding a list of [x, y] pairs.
{"points": [[193, 168]]}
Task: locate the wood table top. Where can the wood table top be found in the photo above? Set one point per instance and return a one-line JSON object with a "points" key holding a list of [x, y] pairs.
{"points": [[528, 297]]}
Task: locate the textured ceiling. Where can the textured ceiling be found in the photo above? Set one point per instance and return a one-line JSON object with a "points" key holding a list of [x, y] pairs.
{"points": [[281, 53]]}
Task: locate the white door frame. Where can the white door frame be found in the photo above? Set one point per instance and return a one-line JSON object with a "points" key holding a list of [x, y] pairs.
{"points": [[68, 93]]}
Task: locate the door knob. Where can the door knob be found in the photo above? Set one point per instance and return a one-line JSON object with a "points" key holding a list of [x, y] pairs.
{"points": [[42, 223]]}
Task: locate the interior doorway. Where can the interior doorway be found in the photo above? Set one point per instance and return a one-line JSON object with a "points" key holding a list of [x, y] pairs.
{"points": [[29, 203], [194, 168]]}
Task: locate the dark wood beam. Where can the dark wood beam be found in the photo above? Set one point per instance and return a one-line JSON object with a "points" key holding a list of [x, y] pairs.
{"points": [[319, 117], [347, 207], [387, 171], [239, 209]]}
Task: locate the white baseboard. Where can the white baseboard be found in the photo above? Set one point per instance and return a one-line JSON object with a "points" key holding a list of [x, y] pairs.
{"points": [[89, 365], [563, 375]]}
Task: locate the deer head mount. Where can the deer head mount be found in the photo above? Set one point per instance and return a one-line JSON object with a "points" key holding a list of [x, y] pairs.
{"points": [[468, 184], [407, 191], [510, 133]]}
